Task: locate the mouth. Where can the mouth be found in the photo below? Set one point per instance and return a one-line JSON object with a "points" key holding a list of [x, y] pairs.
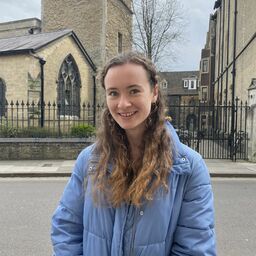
{"points": [[127, 114]]}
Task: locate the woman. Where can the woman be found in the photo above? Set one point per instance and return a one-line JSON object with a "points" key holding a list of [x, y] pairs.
{"points": [[138, 190]]}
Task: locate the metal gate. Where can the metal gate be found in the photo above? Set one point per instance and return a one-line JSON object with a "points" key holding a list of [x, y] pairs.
{"points": [[215, 131]]}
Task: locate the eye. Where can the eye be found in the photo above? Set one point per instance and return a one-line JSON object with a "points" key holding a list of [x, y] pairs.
{"points": [[112, 93], [134, 91]]}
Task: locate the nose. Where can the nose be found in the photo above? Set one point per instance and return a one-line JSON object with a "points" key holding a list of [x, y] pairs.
{"points": [[124, 102]]}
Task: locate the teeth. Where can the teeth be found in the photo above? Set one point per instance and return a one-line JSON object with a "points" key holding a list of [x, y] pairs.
{"points": [[126, 114]]}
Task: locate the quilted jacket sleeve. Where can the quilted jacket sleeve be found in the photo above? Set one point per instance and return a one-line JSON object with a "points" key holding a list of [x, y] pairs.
{"points": [[195, 234], [67, 221]]}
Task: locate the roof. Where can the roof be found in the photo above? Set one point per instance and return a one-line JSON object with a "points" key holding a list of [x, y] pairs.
{"points": [[33, 43], [175, 82]]}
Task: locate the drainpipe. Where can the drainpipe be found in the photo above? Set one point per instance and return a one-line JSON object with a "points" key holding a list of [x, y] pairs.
{"points": [[227, 61], [42, 62], [222, 50], [233, 83], [213, 55], [94, 101], [219, 48]]}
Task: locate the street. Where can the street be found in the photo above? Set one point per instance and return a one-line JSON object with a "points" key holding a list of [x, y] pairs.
{"points": [[26, 206]]}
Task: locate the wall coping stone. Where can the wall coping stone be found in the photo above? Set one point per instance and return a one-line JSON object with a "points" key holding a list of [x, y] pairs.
{"points": [[47, 140]]}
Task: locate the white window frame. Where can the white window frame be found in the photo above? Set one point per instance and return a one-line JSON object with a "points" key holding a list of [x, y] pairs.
{"points": [[194, 84], [185, 83], [164, 84]]}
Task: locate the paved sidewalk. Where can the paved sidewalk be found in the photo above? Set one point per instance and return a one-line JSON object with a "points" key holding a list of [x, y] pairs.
{"points": [[36, 168], [63, 168], [227, 168]]}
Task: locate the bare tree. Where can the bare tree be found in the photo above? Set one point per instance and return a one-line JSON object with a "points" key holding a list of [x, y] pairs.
{"points": [[158, 25]]}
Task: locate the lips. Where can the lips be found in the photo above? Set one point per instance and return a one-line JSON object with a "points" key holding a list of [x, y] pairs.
{"points": [[127, 114]]}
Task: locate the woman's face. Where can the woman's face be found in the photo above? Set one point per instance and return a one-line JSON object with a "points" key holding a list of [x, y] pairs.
{"points": [[129, 96]]}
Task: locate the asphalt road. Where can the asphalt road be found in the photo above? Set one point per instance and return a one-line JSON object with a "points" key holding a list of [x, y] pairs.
{"points": [[26, 206]]}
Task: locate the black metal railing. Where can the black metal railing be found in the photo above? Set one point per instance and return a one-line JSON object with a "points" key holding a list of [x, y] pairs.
{"points": [[19, 119], [203, 127], [207, 128]]}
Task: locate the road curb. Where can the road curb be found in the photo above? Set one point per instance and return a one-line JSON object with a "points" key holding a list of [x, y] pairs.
{"points": [[34, 175], [67, 174], [233, 175]]}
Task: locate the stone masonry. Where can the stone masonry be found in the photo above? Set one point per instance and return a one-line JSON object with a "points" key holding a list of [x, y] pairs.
{"points": [[54, 54], [20, 27], [96, 24]]}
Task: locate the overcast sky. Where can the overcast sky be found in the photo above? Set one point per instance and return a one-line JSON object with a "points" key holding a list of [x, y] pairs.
{"points": [[197, 14]]}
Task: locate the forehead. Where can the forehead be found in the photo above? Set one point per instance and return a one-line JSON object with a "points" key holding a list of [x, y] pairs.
{"points": [[126, 73]]}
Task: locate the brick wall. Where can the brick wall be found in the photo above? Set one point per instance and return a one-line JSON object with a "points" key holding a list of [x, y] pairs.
{"points": [[40, 149]]}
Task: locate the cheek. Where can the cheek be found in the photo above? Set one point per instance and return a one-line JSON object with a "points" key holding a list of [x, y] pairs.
{"points": [[147, 107], [110, 105]]}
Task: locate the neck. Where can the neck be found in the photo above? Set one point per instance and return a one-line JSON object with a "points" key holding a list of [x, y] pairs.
{"points": [[135, 141]]}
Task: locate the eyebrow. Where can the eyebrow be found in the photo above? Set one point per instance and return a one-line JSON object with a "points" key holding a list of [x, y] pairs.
{"points": [[129, 87]]}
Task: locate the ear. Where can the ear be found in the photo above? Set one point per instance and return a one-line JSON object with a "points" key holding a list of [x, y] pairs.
{"points": [[155, 93]]}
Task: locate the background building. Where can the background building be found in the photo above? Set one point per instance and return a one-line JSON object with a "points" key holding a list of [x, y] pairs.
{"points": [[104, 27], [181, 89], [207, 66], [235, 28], [101, 29], [20, 27], [230, 49], [58, 59]]}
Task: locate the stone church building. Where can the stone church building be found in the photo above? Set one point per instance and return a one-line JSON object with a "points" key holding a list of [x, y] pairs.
{"points": [[67, 68], [63, 51]]}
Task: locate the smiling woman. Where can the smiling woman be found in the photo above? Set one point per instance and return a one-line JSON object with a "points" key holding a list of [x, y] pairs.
{"points": [[138, 190], [129, 98]]}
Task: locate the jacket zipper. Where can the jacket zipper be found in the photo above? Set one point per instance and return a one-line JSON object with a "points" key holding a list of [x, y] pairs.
{"points": [[131, 250]]}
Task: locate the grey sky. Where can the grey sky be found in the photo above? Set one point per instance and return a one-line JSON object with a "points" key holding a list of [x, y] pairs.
{"points": [[188, 53]]}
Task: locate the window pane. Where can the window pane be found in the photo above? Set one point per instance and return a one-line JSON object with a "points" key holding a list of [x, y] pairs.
{"points": [[120, 42], [205, 66], [204, 93]]}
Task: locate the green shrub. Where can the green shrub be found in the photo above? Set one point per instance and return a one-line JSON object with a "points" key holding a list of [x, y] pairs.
{"points": [[83, 130], [8, 132], [37, 132]]}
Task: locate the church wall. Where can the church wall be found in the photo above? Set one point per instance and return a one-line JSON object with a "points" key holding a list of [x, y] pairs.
{"points": [[85, 18], [119, 20], [15, 70], [96, 23], [54, 56]]}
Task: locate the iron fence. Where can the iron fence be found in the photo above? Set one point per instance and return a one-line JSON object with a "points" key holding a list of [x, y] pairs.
{"points": [[18, 119], [207, 128], [211, 130]]}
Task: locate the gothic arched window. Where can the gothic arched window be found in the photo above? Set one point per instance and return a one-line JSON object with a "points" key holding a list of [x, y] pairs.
{"points": [[69, 84], [2, 98]]}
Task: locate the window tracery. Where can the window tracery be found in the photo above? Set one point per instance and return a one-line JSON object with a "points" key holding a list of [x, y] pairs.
{"points": [[69, 84]]}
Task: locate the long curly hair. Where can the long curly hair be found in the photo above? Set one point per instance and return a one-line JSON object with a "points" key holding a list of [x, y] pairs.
{"points": [[128, 182]]}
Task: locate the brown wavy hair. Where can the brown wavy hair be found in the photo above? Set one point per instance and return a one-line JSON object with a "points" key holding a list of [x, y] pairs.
{"points": [[128, 182]]}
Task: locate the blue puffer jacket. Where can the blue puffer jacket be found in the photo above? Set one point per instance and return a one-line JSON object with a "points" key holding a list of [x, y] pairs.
{"points": [[180, 222]]}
